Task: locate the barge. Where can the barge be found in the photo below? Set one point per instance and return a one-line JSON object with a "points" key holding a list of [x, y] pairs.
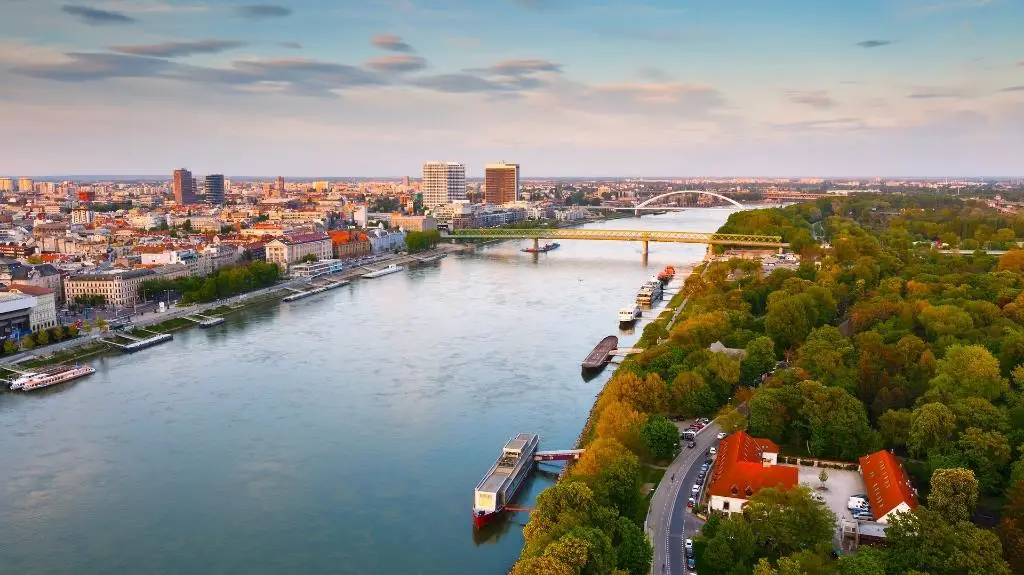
{"points": [[505, 478], [601, 354]]}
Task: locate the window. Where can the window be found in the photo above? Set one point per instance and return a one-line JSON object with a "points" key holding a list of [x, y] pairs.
{"points": [[725, 506]]}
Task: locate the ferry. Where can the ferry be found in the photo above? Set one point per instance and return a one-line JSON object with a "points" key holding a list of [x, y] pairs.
{"points": [[542, 249], [650, 292], [501, 484], [52, 376], [391, 269], [629, 315]]}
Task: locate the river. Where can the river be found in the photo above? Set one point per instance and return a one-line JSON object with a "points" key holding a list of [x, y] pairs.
{"points": [[342, 433]]}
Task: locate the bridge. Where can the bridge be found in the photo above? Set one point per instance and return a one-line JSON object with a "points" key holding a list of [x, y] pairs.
{"points": [[646, 204], [643, 236], [559, 455]]}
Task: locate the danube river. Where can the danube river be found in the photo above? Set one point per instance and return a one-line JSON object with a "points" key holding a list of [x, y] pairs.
{"points": [[343, 433]]}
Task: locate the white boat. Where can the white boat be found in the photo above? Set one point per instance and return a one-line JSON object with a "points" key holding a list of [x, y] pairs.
{"points": [[53, 376], [391, 269], [20, 381], [628, 315]]}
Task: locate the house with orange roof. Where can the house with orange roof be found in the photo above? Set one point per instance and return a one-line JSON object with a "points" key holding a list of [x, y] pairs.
{"points": [[888, 487], [743, 466]]}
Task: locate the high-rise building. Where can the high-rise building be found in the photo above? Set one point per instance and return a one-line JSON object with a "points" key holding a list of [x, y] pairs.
{"points": [[24, 184], [501, 183], [184, 187], [405, 181], [6, 184], [213, 189], [280, 186], [443, 183]]}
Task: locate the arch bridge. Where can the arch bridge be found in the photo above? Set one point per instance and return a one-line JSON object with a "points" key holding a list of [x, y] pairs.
{"points": [[646, 204]]}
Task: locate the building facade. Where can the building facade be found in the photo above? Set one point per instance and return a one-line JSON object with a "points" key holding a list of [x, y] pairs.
{"points": [[183, 185], [501, 183], [443, 182], [291, 248], [745, 465], [414, 223], [350, 244], [118, 288], [44, 312], [15, 314], [213, 189]]}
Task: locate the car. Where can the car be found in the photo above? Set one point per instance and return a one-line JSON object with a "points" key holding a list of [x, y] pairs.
{"points": [[691, 502], [712, 451], [689, 552], [695, 488], [704, 420], [690, 444], [721, 435], [690, 563], [688, 544], [700, 480]]}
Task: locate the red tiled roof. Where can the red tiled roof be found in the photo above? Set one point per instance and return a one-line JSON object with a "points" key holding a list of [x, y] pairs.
{"points": [[887, 483], [739, 472], [28, 289]]}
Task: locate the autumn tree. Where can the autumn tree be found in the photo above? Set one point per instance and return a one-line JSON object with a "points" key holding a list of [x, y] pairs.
{"points": [[954, 494], [969, 371], [923, 541], [932, 427]]}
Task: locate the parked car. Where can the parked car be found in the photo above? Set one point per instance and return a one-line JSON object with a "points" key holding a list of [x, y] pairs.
{"points": [[689, 552], [690, 563], [695, 488], [691, 502], [690, 444], [704, 420], [700, 480], [712, 451], [688, 544], [721, 435]]}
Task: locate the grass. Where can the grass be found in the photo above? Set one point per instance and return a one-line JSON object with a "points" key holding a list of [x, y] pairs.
{"points": [[68, 355]]}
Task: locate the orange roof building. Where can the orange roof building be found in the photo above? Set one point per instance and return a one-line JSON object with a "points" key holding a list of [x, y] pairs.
{"points": [[888, 487], [745, 465]]}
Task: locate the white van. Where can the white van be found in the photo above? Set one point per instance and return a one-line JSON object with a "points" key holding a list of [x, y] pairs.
{"points": [[857, 503]]}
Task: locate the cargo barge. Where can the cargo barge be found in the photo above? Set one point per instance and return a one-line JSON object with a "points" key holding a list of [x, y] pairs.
{"points": [[601, 354], [542, 249], [505, 478]]}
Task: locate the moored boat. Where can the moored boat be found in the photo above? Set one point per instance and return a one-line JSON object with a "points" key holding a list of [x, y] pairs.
{"points": [[391, 269], [542, 249], [629, 315], [53, 376], [505, 478]]}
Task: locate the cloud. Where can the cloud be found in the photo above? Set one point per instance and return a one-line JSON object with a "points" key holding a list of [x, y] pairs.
{"points": [[391, 42], [176, 49], [303, 76], [85, 66], [1013, 89], [515, 68], [397, 63], [874, 43], [292, 45], [814, 98], [840, 124], [95, 16], [262, 11], [937, 94], [459, 84], [653, 74], [666, 99]]}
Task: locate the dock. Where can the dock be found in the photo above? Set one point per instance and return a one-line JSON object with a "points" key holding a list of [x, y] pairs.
{"points": [[601, 355], [204, 321], [138, 344], [320, 288]]}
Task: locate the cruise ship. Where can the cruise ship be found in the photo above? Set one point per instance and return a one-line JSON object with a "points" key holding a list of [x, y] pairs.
{"points": [[650, 292], [391, 269], [501, 484], [629, 315], [51, 376]]}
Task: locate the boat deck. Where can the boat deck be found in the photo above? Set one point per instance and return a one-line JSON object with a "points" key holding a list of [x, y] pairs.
{"points": [[601, 353]]}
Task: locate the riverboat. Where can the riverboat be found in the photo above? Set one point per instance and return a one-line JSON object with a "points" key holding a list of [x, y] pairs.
{"points": [[391, 269], [650, 292], [629, 315], [505, 478], [666, 275], [52, 376], [542, 249]]}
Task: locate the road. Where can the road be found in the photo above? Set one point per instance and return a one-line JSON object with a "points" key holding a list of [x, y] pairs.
{"points": [[669, 520]]}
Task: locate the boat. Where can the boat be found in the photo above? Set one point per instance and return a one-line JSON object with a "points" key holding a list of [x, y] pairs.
{"points": [[542, 249], [505, 478], [391, 269], [629, 315], [666, 275], [650, 292], [19, 382], [601, 354], [53, 376]]}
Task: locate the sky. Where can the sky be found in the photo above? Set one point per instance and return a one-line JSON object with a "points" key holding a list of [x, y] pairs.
{"points": [[623, 88]]}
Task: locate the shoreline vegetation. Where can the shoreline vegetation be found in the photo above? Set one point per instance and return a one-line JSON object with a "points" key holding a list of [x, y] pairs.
{"points": [[876, 341]]}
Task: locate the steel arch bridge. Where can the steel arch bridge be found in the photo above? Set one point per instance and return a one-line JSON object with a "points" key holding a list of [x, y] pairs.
{"points": [[648, 201], [747, 240]]}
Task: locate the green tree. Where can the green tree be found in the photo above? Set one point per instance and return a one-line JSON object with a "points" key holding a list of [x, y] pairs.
{"points": [[28, 342], [617, 485], [894, 427], [838, 422], [787, 521], [988, 453], [866, 561], [633, 550], [954, 494], [922, 541], [787, 322], [559, 509], [10, 347], [945, 320], [731, 419], [827, 356], [932, 428], [970, 371], [42, 337], [732, 547], [661, 437], [760, 359]]}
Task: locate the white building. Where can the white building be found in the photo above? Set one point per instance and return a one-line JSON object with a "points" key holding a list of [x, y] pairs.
{"points": [[443, 182], [83, 216], [198, 264], [44, 312], [382, 241]]}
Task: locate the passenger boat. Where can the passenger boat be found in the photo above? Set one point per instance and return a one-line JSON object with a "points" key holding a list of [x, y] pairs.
{"points": [[391, 269], [650, 292], [542, 249], [505, 478], [629, 315], [53, 376]]}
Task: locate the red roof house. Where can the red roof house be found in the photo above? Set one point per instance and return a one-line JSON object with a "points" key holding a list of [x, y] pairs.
{"points": [[745, 465], [888, 487]]}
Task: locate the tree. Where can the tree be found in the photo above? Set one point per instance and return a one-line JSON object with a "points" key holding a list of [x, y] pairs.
{"points": [[691, 396], [954, 494], [633, 550], [543, 565], [59, 333], [731, 419], [760, 359], [922, 541], [894, 427], [1012, 260], [931, 428], [42, 337], [1011, 527], [827, 355], [661, 437], [733, 545], [945, 320], [823, 477], [787, 322], [838, 422], [787, 521], [10, 347], [28, 342], [618, 486], [970, 371], [599, 454], [565, 505], [867, 561], [623, 423], [988, 453]]}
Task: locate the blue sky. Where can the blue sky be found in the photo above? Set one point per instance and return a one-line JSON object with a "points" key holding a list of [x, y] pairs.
{"points": [[564, 87]]}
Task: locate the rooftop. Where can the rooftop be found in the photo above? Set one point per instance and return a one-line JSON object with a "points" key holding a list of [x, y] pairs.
{"points": [[740, 472], [887, 483]]}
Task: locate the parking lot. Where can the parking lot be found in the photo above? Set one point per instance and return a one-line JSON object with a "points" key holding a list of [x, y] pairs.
{"points": [[841, 485]]}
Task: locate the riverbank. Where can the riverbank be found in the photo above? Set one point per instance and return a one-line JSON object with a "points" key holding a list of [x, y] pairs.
{"points": [[173, 320]]}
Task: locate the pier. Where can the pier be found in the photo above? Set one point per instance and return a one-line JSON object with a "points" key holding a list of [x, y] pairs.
{"points": [[204, 321], [324, 285], [137, 344]]}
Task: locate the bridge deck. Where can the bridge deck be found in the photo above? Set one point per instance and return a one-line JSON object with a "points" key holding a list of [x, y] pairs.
{"points": [[621, 235]]}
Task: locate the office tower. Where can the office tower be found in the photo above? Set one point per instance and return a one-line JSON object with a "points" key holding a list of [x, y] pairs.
{"points": [[501, 183], [6, 184], [24, 184], [443, 183], [184, 187], [213, 189], [280, 186]]}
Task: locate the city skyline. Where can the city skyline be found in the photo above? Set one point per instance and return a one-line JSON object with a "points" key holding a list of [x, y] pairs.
{"points": [[927, 88]]}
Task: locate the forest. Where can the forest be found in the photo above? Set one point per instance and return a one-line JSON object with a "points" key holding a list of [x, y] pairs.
{"points": [[879, 340]]}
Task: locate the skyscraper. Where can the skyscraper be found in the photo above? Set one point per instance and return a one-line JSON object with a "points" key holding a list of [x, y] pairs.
{"points": [[6, 184], [501, 183], [184, 187], [443, 183], [24, 184], [213, 189], [280, 186]]}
